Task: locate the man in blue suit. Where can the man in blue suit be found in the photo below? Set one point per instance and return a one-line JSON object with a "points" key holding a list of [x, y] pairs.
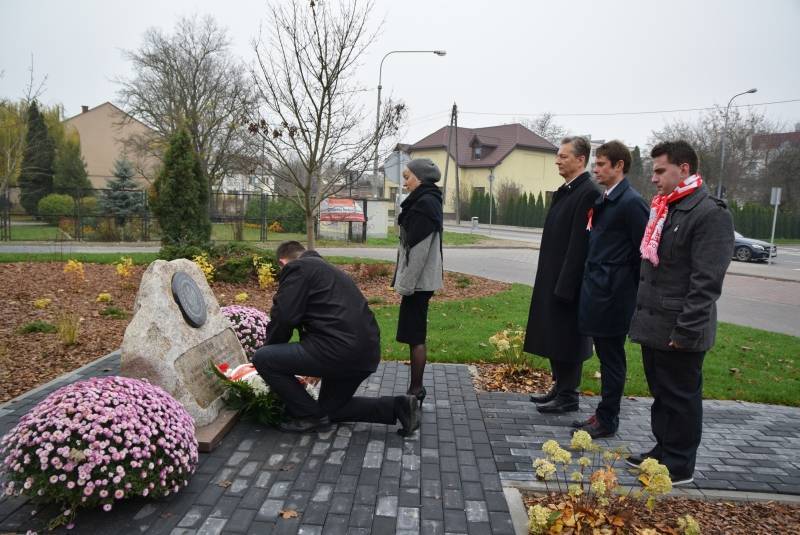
{"points": [[610, 279]]}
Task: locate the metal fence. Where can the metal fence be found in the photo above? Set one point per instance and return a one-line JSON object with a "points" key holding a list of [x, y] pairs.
{"points": [[94, 215]]}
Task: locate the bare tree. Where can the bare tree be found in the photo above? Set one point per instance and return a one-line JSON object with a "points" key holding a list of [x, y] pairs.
{"points": [[189, 78], [545, 126], [308, 119], [742, 162]]}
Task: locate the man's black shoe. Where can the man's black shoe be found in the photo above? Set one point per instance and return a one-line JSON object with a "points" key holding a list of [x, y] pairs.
{"points": [[679, 480], [557, 406], [406, 409], [596, 429], [635, 460], [550, 395], [303, 425], [577, 424]]}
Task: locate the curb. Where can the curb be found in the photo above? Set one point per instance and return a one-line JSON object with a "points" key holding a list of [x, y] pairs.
{"points": [[701, 494]]}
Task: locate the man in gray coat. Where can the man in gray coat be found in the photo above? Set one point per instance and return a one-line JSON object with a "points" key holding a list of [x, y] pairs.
{"points": [[686, 249]]}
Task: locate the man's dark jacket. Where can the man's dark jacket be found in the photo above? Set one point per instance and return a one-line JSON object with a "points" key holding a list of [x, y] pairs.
{"points": [[552, 330], [611, 275], [335, 323], [677, 299]]}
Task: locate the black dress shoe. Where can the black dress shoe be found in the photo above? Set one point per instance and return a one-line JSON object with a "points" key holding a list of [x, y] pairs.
{"points": [[303, 425], [406, 409], [577, 424], [635, 460], [558, 406], [550, 395], [597, 430]]}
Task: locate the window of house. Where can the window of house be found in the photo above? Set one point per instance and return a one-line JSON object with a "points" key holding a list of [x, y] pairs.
{"points": [[476, 152]]}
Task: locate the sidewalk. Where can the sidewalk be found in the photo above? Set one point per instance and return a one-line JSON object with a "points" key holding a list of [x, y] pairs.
{"points": [[450, 477]]}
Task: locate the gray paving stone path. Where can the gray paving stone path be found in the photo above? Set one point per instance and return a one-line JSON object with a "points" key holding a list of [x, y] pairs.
{"points": [[447, 479]]}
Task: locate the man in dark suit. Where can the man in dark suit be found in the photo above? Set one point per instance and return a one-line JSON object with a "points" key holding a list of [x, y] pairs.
{"points": [[552, 330], [610, 279], [339, 342], [686, 250]]}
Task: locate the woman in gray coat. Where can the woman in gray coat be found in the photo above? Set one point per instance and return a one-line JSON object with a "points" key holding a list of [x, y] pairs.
{"points": [[419, 262]]}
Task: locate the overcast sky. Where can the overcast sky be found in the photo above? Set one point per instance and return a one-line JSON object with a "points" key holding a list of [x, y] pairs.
{"points": [[505, 59]]}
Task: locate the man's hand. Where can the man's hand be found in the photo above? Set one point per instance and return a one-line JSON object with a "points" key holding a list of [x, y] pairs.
{"points": [[673, 345]]}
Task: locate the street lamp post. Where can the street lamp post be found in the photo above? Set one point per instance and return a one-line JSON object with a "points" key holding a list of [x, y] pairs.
{"points": [[724, 135], [491, 198], [378, 108]]}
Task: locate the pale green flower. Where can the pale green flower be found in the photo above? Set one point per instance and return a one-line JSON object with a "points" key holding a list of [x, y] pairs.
{"points": [[575, 490], [561, 456], [581, 440], [652, 467], [689, 525], [599, 487], [659, 484], [608, 457], [550, 447], [584, 461], [545, 470], [576, 476], [539, 519]]}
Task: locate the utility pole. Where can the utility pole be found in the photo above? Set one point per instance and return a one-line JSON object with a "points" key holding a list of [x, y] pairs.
{"points": [[452, 138]]}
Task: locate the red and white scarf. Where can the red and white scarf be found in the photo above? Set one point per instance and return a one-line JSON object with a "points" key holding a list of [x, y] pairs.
{"points": [[658, 214]]}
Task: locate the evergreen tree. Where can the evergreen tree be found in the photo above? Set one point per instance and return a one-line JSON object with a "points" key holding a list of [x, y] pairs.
{"points": [[509, 211], [541, 211], [636, 172], [181, 196], [70, 171], [123, 198], [36, 173]]}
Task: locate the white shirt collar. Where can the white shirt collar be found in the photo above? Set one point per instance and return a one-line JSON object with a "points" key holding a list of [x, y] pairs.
{"points": [[576, 176], [609, 190]]}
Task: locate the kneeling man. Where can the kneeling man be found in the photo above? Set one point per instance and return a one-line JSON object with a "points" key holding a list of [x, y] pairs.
{"points": [[339, 342]]}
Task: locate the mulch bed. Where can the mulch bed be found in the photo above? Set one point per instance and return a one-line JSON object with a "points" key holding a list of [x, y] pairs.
{"points": [[28, 360], [501, 378], [714, 517]]}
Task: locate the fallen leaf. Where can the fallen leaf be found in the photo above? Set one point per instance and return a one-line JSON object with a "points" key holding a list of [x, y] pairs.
{"points": [[734, 371], [288, 513], [225, 484]]}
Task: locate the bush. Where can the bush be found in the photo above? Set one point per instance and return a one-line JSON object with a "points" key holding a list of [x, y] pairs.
{"points": [[250, 326], [171, 252], [235, 269], [95, 442], [55, 205], [87, 205]]}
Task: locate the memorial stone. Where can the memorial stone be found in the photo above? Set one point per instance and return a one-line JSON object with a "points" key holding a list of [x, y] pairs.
{"points": [[176, 330]]}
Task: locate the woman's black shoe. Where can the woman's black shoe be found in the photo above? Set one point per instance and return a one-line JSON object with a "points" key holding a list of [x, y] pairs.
{"points": [[406, 410], [420, 395]]}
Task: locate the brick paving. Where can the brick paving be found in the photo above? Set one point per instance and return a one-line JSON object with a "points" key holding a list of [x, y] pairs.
{"points": [[446, 479]]}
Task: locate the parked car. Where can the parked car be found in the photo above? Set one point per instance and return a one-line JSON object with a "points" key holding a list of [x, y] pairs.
{"points": [[747, 249]]}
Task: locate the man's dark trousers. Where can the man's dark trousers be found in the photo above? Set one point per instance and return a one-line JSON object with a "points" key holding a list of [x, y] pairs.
{"points": [[613, 367], [567, 377], [675, 379], [279, 363]]}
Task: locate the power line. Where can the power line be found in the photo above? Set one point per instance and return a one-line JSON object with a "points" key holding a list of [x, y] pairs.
{"points": [[649, 112]]}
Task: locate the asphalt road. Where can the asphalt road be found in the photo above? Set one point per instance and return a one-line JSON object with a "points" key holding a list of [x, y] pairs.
{"points": [[747, 297]]}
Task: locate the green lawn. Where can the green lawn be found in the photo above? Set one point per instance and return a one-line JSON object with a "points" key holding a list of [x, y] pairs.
{"points": [[746, 364], [35, 233], [224, 232]]}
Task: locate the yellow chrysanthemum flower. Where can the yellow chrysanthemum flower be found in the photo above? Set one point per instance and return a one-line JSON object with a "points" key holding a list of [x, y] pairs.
{"points": [[539, 519]]}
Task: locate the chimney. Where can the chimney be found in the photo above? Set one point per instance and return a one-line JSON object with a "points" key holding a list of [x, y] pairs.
{"points": [[84, 109]]}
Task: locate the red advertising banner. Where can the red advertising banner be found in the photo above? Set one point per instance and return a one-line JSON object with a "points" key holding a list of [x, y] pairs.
{"points": [[341, 210]]}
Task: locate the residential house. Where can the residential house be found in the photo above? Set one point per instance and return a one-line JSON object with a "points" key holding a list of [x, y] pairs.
{"points": [[102, 131], [509, 152], [393, 170], [771, 144]]}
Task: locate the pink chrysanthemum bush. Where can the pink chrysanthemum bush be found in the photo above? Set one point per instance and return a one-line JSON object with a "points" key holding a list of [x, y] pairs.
{"points": [[95, 442], [250, 326]]}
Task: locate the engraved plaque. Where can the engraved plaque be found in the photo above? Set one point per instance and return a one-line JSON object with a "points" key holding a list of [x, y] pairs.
{"points": [[192, 366], [189, 298]]}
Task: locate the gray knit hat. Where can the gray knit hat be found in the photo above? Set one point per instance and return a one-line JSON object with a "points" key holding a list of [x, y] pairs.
{"points": [[424, 169]]}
